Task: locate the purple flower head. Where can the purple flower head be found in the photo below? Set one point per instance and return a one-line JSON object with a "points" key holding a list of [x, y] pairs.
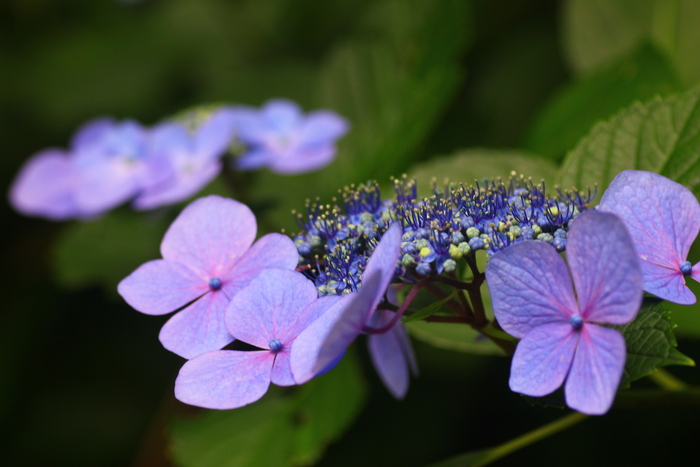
{"points": [[193, 159], [207, 260], [561, 338], [280, 137], [268, 314], [663, 218], [44, 187], [324, 342], [113, 164]]}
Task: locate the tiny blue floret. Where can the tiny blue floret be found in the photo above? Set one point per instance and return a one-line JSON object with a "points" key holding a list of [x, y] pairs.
{"points": [[576, 322], [215, 283], [275, 345], [686, 268]]}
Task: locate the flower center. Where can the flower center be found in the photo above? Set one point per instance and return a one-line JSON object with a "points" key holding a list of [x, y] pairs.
{"points": [[686, 268], [215, 283], [275, 345], [576, 322]]}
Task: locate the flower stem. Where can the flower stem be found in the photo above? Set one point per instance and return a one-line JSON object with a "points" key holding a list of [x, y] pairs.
{"points": [[397, 316], [666, 380], [520, 442]]}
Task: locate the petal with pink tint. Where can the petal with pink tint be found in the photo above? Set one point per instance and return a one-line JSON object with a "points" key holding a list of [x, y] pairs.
{"points": [[225, 379], [530, 286], [210, 235], [160, 287], [663, 218], [44, 187], [543, 359], [596, 371], [269, 307], [282, 371], [199, 328], [270, 251], [604, 268]]}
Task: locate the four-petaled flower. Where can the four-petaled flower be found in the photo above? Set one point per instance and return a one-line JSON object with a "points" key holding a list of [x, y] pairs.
{"points": [[663, 218], [207, 260], [268, 314], [561, 334], [280, 137], [324, 342]]}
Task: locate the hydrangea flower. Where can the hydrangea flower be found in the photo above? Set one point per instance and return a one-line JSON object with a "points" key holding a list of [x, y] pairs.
{"points": [[280, 137], [207, 260], [268, 314], [561, 334], [324, 342], [193, 158], [113, 164], [663, 218], [44, 187]]}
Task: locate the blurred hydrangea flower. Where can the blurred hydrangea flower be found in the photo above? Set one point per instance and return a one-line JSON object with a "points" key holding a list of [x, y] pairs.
{"points": [[268, 314], [562, 336], [207, 260], [192, 159], [663, 218], [324, 342], [279, 136]]}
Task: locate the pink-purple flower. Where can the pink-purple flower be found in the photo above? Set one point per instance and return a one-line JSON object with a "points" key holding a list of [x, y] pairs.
{"points": [[663, 218], [208, 257], [269, 314], [279, 136], [563, 335], [324, 342]]}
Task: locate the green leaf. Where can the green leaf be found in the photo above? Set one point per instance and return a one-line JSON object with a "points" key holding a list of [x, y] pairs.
{"points": [[392, 81], [281, 429], [572, 112], [662, 136], [597, 32], [469, 165], [106, 250], [428, 310], [651, 343]]}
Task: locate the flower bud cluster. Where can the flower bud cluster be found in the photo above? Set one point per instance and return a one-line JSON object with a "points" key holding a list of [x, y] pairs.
{"points": [[438, 231]]}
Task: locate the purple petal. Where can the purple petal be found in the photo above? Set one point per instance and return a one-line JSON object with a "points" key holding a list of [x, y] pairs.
{"points": [[213, 138], [44, 186], [375, 281], [107, 183], [254, 159], [282, 371], [169, 139], [199, 328], [271, 307], [270, 251], [322, 127], [543, 358], [667, 283], [530, 286], [605, 268], [307, 346], [91, 132], [160, 286], [281, 116], [225, 379], [389, 354], [663, 217], [596, 370], [183, 185], [303, 159], [210, 236]]}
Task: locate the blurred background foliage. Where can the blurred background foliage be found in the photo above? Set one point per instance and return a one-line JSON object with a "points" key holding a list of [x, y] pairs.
{"points": [[427, 86]]}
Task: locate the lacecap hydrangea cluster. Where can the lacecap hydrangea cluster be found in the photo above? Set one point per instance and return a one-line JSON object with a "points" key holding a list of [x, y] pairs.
{"points": [[438, 231], [111, 162]]}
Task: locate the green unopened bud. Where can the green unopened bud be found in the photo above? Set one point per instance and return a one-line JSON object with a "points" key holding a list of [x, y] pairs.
{"points": [[449, 265], [473, 232], [408, 261]]}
